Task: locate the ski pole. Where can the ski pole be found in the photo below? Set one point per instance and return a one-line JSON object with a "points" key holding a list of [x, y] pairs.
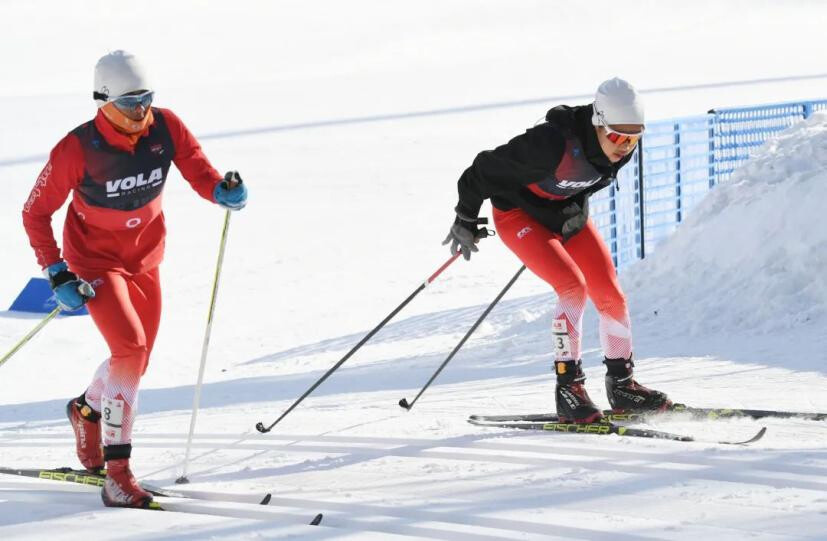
{"points": [[197, 398], [264, 429], [408, 405], [31, 334]]}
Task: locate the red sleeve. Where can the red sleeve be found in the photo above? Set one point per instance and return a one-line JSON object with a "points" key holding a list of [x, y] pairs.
{"points": [[190, 159], [62, 173]]}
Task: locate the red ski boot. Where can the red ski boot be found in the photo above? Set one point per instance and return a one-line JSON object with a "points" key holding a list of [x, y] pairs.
{"points": [[573, 402], [86, 425], [120, 488]]}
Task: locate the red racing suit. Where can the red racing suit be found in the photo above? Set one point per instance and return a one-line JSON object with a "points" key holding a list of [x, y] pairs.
{"points": [[539, 185], [113, 237], [114, 221]]}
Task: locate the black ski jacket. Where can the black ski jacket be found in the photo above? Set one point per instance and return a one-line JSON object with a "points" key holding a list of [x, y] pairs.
{"points": [[549, 172]]}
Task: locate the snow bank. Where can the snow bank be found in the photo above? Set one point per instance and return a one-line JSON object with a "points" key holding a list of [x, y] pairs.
{"points": [[753, 255]]}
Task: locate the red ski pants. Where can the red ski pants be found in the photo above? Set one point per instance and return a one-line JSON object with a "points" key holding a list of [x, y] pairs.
{"points": [[127, 311], [580, 268]]}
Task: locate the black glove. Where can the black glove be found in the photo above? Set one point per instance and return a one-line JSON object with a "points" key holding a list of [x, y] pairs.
{"points": [[465, 234], [575, 216]]}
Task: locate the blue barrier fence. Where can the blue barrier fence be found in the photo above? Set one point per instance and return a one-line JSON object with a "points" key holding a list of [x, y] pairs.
{"points": [[675, 166]]}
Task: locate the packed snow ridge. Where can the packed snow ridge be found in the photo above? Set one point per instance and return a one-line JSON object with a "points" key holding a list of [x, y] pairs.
{"points": [[751, 256]]}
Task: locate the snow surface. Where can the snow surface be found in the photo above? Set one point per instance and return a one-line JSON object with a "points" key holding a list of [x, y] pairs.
{"points": [[350, 122]]}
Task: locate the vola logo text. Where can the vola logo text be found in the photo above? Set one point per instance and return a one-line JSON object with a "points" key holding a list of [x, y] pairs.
{"points": [[114, 188], [576, 183]]}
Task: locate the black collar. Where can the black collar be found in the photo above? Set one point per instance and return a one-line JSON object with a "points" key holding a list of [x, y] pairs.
{"points": [[587, 134]]}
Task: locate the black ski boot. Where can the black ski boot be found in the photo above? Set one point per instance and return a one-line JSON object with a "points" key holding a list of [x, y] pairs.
{"points": [[625, 394], [573, 402]]}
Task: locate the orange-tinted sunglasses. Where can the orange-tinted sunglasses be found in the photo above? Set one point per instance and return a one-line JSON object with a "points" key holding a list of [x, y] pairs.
{"points": [[621, 138]]}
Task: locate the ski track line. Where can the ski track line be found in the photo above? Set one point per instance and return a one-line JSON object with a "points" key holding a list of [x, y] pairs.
{"points": [[295, 511], [335, 457], [341, 518], [91, 498], [524, 527], [730, 471], [721, 474], [407, 447], [337, 514]]}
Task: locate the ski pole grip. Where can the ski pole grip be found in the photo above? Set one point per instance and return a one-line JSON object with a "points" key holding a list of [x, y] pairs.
{"points": [[231, 180], [484, 232]]}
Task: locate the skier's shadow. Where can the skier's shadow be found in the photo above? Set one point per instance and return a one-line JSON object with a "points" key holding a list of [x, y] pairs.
{"points": [[637, 472]]}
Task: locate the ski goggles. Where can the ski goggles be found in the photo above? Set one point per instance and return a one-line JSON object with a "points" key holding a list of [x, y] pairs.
{"points": [[129, 102], [621, 138]]}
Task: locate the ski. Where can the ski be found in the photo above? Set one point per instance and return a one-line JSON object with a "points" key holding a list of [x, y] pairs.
{"points": [[166, 500], [200, 507], [517, 417], [85, 477], [694, 413], [604, 429], [729, 413]]}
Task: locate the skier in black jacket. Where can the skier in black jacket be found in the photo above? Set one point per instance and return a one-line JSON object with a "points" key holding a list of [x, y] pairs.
{"points": [[539, 184]]}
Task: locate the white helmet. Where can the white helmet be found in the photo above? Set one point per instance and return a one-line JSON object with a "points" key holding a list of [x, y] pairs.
{"points": [[116, 74], [617, 102]]}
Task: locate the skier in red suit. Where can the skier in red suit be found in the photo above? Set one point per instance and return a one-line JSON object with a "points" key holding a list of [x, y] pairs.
{"points": [[539, 185], [115, 166]]}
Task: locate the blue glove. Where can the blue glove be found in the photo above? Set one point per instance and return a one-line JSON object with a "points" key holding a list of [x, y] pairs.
{"points": [[70, 291], [231, 193]]}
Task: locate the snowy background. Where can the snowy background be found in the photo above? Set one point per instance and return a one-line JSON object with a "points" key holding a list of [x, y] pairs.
{"points": [[350, 122]]}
